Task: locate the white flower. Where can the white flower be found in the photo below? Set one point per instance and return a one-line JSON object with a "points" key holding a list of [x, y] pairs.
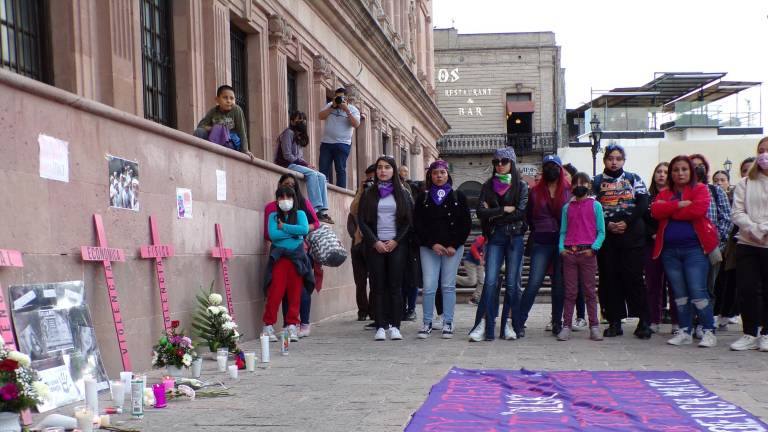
{"points": [[236, 334], [20, 358], [229, 325], [226, 316], [213, 310], [214, 299], [41, 389], [187, 360], [154, 358]]}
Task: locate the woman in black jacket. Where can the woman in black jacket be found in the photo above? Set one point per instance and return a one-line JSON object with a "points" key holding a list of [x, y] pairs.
{"points": [[442, 222], [501, 209], [384, 218]]}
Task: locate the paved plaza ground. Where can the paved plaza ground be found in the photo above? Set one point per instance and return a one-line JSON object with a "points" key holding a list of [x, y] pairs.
{"points": [[340, 379]]}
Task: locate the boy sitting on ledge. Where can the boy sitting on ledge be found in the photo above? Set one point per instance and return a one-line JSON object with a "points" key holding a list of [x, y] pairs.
{"points": [[224, 124]]}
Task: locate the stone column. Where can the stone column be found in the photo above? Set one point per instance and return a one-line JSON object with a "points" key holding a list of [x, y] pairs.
{"points": [[259, 108], [322, 73], [429, 53], [74, 46], [216, 54], [376, 131], [193, 99], [280, 34]]}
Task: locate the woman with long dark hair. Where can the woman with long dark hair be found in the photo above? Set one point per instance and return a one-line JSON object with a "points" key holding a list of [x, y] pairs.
{"points": [[385, 217], [545, 209], [683, 240], [501, 209]]}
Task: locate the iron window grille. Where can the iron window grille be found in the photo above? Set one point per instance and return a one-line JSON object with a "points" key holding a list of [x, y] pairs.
{"points": [[23, 38], [157, 61], [239, 56], [293, 100]]}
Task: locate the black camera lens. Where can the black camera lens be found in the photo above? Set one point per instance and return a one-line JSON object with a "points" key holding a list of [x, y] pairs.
{"points": [[338, 100]]}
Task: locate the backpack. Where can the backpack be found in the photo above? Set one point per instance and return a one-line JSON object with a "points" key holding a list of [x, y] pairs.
{"points": [[326, 248]]}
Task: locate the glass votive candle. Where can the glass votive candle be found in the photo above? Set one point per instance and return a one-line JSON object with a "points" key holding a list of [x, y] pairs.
{"points": [[221, 361], [197, 367], [117, 389], [169, 383], [233, 371], [84, 417], [250, 361], [159, 392]]}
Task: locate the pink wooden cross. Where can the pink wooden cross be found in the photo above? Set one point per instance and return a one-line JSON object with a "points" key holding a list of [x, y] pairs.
{"points": [[8, 258], [158, 252], [224, 254], [106, 255]]}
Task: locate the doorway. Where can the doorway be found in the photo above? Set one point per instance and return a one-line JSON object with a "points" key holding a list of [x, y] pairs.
{"points": [[519, 123]]}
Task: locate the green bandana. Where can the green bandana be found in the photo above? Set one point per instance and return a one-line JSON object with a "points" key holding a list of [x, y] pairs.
{"points": [[504, 178]]}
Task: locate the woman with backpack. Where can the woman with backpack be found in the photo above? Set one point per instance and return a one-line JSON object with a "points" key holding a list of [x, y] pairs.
{"points": [[441, 222]]}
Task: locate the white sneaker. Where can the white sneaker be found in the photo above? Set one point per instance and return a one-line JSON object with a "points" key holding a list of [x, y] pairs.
{"points": [[394, 333], [549, 325], [564, 334], [448, 331], [293, 333], [699, 333], [734, 319], [722, 322], [762, 343], [708, 340], [305, 330], [655, 328], [681, 338], [269, 331], [509, 332], [380, 334], [425, 331], [746, 342], [437, 323], [478, 334], [580, 324]]}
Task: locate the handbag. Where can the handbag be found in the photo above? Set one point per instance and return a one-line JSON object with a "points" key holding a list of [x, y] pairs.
{"points": [[326, 248]]}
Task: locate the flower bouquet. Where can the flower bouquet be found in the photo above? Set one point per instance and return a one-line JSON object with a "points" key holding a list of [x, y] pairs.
{"points": [[20, 388], [173, 350], [213, 323]]}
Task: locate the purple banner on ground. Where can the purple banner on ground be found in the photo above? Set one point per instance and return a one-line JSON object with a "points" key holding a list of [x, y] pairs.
{"points": [[503, 400]]}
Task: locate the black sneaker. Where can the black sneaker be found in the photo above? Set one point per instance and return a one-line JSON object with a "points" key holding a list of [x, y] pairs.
{"points": [[323, 217], [613, 330], [425, 331], [361, 316], [447, 330], [410, 316], [370, 326], [643, 331]]}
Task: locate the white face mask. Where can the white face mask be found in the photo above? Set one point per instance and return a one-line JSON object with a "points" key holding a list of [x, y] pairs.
{"points": [[285, 205]]}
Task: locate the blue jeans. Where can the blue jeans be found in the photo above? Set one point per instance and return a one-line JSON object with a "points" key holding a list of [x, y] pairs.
{"points": [[686, 270], [444, 269], [317, 189], [499, 249], [336, 154], [541, 256]]}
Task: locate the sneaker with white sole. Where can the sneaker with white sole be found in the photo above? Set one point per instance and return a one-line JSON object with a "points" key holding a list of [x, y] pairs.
{"points": [[437, 323], [675, 329], [269, 331], [425, 331], [595, 334], [699, 333], [448, 330], [681, 338], [655, 328], [293, 333], [549, 325], [380, 335], [509, 332], [708, 339], [478, 333], [733, 319], [746, 342], [305, 330], [722, 322], [580, 324], [564, 334], [762, 343], [394, 334]]}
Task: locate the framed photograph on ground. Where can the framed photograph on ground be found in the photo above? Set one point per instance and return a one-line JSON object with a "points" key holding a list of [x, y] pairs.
{"points": [[123, 178], [54, 327]]}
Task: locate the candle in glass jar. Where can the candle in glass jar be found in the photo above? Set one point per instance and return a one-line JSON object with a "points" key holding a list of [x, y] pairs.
{"points": [[250, 361], [233, 371], [84, 417], [118, 392], [169, 383], [159, 392], [221, 361]]}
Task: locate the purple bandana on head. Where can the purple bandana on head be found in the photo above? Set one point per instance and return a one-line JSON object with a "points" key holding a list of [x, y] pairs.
{"points": [[500, 187], [441, 164], [438, 193], [386, 189]]}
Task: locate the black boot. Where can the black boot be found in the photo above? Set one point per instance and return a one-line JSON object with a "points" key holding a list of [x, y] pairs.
{"points": [[643, 330], [613, 330]]}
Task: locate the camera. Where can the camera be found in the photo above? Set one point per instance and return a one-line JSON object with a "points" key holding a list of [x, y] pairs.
{"points": [[338, 100]]}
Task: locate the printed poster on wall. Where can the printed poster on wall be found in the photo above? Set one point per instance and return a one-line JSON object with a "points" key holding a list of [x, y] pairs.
{"points": [[54, 327], [54, 158], [183, 203], [221, 185], [123, 180]]}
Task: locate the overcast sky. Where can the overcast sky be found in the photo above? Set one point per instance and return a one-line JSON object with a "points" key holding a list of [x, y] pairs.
{"points": [[610, 43]]}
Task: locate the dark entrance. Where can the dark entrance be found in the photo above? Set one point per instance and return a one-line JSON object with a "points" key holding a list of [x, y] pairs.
{"points": [[520, 123]]}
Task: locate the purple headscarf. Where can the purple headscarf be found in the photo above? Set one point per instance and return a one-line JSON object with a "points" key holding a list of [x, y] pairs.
{"points": [[438, 193]]}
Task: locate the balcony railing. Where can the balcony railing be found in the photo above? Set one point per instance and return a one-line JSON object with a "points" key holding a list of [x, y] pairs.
{"points": [[524, 144]]}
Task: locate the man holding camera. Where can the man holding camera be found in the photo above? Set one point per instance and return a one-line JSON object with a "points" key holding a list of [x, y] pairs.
{"points": [[341, 119]]}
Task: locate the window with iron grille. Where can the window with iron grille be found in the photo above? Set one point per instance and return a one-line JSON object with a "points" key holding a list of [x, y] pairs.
{"points": [[293, 99], [157, 61], [239, 68], [23, 38]]}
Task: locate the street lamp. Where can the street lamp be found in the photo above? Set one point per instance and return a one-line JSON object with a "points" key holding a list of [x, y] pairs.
{"points": [[727, 166], [596, 134]]}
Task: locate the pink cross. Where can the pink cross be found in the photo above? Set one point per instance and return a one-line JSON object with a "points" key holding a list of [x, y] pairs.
{"points": [[158, 252], [8, 258], [106, 255], [224, 254]]}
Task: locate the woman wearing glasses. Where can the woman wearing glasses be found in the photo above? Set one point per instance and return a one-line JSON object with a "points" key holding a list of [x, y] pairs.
{"points": [[501, 209]]}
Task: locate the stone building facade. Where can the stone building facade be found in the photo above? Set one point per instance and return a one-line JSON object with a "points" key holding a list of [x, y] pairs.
{"points": [[498, 89], [131, 78]]}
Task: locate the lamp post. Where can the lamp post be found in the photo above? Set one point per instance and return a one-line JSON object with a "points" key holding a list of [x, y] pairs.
{"points": [[596, 134], [727, 166]]}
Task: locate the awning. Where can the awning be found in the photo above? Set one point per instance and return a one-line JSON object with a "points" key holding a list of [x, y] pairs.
{"points": [[520, 107]]}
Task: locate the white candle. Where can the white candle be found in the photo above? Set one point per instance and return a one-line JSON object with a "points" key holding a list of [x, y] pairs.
{"points": [[250, 361], [222, 363], [126, 377], [197, 368], [233, 371], [265, 349], [84, 417], [118, 393], [104, 420], [91, 394]]}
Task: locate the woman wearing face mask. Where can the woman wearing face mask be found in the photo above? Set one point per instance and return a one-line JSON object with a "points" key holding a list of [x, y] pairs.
{"points": [[385, 215], [655, 282], [683, 240], [582, 231], [289, 267], [750, 214], [501, 209], [290, 155], [441, 222], [289, 181], [620, 262], [545, 209]]}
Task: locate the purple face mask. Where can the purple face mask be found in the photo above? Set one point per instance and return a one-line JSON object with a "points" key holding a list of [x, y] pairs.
{"points": [[386, 189]]}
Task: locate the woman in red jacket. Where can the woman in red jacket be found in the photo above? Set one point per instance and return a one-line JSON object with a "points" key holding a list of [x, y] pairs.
{"points": [[684, 239]]}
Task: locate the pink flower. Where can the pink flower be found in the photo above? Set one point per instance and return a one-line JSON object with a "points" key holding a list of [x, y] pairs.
{"points": [[9, 392], [186, 342]]}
